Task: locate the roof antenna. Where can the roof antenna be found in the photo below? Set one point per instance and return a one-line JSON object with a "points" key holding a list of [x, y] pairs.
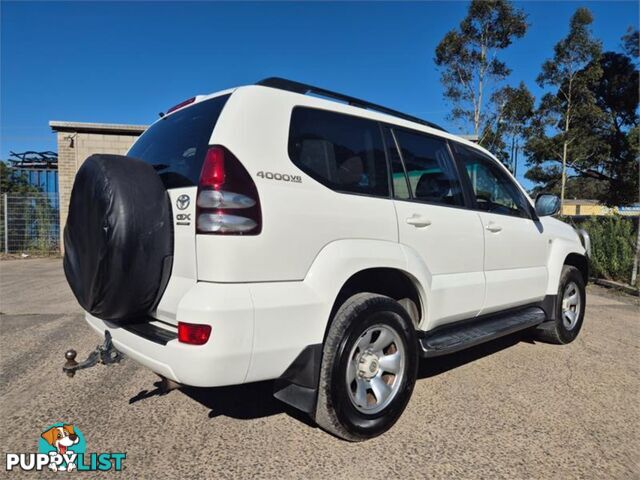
{"points": [[161, 114]]}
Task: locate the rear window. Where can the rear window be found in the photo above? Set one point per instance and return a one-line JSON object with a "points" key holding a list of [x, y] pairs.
{"points": [[432, 176], [342, 152], [177, 144]]}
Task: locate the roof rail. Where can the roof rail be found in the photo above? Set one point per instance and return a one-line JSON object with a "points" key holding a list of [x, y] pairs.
{"points": [[297, 87]]}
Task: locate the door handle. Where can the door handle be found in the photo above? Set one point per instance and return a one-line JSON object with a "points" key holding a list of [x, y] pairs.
{"points": [[418, 221], [492, 227]]}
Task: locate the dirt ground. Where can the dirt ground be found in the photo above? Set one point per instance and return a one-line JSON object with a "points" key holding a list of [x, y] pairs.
{"points": [[509, 409]]}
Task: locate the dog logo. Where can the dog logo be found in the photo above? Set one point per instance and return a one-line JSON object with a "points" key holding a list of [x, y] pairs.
{"points": [[60, 439], [183, 202], [62, 448]]}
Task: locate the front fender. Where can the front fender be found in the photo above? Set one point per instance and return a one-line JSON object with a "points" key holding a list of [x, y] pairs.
{"points": [[560, 249]]}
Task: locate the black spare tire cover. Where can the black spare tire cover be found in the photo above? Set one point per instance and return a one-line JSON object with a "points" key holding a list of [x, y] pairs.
{"points": [[118, 240]]}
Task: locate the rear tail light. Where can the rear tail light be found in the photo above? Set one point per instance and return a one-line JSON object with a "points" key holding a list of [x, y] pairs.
{"points": [[193, 334], [227, 202]]}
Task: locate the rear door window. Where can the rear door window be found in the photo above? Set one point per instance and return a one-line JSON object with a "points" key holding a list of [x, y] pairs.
{"points": [[177, 144], [342, 152], [429, 167]]}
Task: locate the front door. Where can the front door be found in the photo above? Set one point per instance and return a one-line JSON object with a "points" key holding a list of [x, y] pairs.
{"points": [[515, 253]]}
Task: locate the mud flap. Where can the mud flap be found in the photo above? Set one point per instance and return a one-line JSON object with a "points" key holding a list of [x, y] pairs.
{"points": [[550, 307], [298, 385]]}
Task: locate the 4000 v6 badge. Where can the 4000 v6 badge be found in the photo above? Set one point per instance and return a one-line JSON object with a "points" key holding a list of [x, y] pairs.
{"points": [[285, 177], [62, 448]]}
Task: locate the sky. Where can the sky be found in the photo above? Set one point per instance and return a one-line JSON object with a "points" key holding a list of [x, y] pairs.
{"points": [[124, 62]]}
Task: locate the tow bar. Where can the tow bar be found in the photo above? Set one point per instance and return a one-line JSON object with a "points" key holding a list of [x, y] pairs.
{"points": [[105, 354]]}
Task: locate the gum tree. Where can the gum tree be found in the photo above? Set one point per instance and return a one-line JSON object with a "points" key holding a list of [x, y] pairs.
{"points": [[468, 58], [511, 113], [561, 133]]}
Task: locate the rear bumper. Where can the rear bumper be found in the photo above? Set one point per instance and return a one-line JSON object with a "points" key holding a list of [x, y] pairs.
{"points": [[223, 360], [257, 331]]}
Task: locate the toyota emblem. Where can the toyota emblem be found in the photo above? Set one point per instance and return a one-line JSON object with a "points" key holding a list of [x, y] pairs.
{"points": [[183, 202]]}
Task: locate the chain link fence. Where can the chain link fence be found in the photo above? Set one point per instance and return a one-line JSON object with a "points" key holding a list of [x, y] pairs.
{"points": [[29, 224]]}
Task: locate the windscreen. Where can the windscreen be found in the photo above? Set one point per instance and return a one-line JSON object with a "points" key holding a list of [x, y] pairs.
{"points": [[177, 144]]}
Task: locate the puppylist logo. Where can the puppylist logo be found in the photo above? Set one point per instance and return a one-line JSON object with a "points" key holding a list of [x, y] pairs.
{"points": [[62, 447]]}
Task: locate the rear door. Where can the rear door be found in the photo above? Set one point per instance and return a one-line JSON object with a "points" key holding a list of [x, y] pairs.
{"points": [[515, 255], [176, 146], [434, 221]]}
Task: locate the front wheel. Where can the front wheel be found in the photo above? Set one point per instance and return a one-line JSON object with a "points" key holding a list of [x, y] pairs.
{"points": [[570, 308], [369, 366]]}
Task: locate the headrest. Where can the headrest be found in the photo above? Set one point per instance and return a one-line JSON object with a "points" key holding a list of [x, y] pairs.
{"points": [[350, 171], [433, 185], [318, 156]]}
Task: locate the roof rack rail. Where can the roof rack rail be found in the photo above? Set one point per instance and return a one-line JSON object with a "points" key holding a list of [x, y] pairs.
{"points": [[297, 87]]}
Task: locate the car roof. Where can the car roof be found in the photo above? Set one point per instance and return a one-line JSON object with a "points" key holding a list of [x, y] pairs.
{"points": [[338, 102]]}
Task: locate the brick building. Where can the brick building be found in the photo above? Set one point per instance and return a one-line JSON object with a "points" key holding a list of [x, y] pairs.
{"points": [[77, 141]]}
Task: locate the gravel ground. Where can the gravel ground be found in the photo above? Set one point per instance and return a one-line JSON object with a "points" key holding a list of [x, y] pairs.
{"points": [[509, 409]]}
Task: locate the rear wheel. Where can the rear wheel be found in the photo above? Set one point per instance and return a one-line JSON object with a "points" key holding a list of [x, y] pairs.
{"points": [[368, 368], [570, 308]]}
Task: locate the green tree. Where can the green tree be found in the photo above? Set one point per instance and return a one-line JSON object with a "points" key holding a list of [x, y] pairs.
{"points": [[14, 181], [631, 43], [616, 95], [604, 130], [562, 126], [468, 58], [513, 109]]}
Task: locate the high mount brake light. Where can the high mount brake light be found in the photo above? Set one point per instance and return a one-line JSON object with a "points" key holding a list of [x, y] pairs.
{"points": [[181, 104], [227, 202]]}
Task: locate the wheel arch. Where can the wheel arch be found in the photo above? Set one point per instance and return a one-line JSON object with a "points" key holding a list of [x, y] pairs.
{"points": [[580, 262], [391, 282]]}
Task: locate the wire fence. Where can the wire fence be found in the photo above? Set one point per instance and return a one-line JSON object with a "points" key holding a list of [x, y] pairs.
{"points": [[29, 224]]}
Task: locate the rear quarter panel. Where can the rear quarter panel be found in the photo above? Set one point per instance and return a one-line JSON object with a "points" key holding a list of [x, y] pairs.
{"points": [[299, 218]]}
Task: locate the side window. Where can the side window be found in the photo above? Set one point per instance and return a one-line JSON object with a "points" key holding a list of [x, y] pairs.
{"points": [[494, 191], [430, 170], [342, 152]]}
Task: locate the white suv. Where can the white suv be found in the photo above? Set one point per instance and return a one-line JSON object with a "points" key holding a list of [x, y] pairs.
{"points": [[282, 231]]}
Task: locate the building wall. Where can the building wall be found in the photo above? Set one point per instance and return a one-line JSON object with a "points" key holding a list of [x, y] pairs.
{"points": [[586, 208], [73, 150]]}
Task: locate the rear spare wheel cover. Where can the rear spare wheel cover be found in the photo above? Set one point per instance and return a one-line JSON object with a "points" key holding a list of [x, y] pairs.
{"points": [[118, 239]]}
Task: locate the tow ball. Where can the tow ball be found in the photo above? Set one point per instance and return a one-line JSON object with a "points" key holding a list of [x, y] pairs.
{"points": [[105, 354]]}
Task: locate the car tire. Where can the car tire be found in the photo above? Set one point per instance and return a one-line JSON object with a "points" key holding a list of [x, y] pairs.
{"points": [[369, 367], [570, 309]]}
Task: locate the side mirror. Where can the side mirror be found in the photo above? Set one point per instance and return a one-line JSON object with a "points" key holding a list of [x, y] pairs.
{"points": [[547, 204]]}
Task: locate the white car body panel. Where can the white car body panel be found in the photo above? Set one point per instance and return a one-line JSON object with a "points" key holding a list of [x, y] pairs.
{"points": [[254, 125], [515, 261], [564, 241], [184, 274], [452, 249]]}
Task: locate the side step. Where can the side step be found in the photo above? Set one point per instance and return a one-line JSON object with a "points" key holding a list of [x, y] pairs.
{"points": [[450, 339]]}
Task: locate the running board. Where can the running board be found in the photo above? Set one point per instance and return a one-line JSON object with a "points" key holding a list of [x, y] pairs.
{"points": [[450, 339]]}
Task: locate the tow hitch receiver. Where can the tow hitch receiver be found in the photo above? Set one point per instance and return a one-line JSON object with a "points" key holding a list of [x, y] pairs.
{"points": [[105, 354]]}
